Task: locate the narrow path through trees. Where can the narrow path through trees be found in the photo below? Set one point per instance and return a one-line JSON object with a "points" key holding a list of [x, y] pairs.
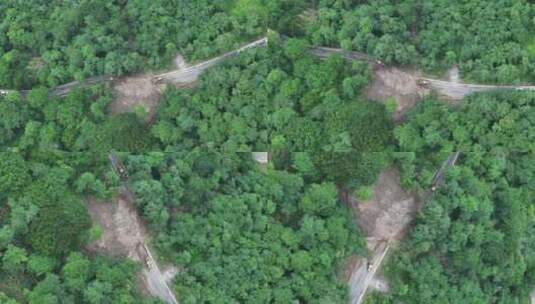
{"points": [[449, 89], [152, 277], [190, 74], [363, 275]]}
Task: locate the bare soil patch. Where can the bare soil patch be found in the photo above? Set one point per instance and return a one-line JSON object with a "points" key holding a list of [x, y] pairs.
{"points": [[122, 228], [387, 215], [134, 91], [391, 82], [141, 91], [453, 74], [383, 219], [180, 62]]}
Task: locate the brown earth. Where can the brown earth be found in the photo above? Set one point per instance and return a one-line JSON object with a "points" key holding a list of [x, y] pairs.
{"points": [[352, 263], [140, 91], [383, 219], [122, 228], [387, 215], [136, 91], [180, 62], [391, 82]]}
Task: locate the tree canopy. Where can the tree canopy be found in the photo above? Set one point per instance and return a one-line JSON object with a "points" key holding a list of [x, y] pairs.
{"points": [[53, 42], [241, 235], [282, 99], [241, 232], [489, 41], [473, 241]]}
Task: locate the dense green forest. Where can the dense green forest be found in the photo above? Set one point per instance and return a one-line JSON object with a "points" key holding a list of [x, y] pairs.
{"points": [[76, 123], [248, 236], [299, 234], [301, 105], [237, 231], [473, 242], [43, 225], [51, 155], [490, 41], [244, 236], [53, 42]]}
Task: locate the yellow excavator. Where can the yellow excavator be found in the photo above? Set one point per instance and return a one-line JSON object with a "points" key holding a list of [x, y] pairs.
{"points": [[118, 166]]}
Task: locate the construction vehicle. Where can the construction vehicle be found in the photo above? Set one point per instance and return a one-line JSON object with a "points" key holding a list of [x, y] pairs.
{"points": [[143, 254], [157, 79], [118, 166], [370, 266], [424, 83]]}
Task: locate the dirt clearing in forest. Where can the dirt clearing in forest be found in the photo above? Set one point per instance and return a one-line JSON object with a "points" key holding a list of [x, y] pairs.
{"points": [[140, 91], [122, 228], [383, 219], [180, 62], [136, 91], [453, 75], [387, 215], [392, 82]]}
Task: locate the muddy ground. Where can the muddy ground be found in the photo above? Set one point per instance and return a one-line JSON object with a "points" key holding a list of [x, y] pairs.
{"points": [[387, 215], [402, 85], [122, 228], [391, 82], [139, 90], [136, 91]]}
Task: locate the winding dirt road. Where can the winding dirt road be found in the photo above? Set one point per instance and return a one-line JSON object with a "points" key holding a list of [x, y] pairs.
{"points": [[458, 90], [185, 75], [181, 75], [190, 74], [64, 89], [155, 280], [363, 276], [326, 52], [450, 89]]}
